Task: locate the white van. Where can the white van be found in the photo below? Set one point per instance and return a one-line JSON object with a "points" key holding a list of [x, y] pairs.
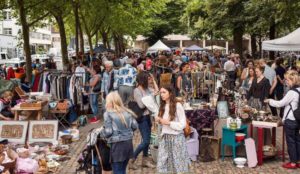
{"points": [[6, 60]]}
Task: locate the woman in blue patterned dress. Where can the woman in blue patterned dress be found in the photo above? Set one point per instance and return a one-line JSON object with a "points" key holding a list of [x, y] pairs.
{"points": [[172, 151]]}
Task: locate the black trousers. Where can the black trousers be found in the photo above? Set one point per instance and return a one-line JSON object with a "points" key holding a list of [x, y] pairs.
{"points": [[291, 128], [279, 95], [273, 109]]}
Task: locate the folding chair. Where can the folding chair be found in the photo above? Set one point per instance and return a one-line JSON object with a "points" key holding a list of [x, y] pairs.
{"points": [[61, 116]]}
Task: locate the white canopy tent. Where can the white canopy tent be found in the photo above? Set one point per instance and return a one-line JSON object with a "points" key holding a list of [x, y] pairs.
{"points": [[159, 46], [193, 48], [290, 42], [214, 47]]}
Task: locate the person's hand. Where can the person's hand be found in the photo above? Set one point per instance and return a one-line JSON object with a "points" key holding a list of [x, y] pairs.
{"points": [[266, 100], [164, 121], [7, 119], [157, 119]]}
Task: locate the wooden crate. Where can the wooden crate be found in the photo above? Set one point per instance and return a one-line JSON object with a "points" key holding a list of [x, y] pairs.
{"points": [[21, 93], [31, 105], [215, 146]]}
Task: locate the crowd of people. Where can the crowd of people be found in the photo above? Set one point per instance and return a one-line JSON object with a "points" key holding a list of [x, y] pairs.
{"points": [[132, 76]]}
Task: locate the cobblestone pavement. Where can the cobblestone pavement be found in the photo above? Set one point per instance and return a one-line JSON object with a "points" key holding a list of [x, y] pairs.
{"points": [[270, 166]]}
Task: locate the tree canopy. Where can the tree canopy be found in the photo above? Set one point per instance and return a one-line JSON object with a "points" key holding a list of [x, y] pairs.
{"points": [[111, 20]]}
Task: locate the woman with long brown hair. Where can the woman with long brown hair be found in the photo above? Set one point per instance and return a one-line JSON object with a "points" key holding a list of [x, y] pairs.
{"points": [[172, 151]]}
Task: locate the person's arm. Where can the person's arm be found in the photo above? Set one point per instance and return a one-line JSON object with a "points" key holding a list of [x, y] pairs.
{"points": [[178, 82], [137, 95], [181, 123], [280, 80], [95, 81], [107, 130], [286, 100], [134, 124], [102, 84], [273, 85], [244, 73], [116, 82], [156, 89], [266, 89], [2, 117], [251, 90]]}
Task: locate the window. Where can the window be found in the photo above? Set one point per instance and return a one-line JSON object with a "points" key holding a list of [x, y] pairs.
{"points": [[46, 37], [7, 31], [6, 15]]}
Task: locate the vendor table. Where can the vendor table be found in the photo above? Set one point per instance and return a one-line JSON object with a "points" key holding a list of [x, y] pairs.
{"points": [[200, 118], [17, 109], [260, 140]]}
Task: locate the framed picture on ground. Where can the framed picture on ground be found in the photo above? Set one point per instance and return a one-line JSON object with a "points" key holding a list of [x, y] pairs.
{"points": [[14, 131], [223, 110], [43, 131]]}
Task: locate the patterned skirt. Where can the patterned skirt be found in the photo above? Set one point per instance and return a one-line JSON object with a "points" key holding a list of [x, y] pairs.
{"points": [[172, 154]]}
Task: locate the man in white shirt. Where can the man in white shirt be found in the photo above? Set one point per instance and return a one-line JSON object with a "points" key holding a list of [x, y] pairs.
{"points": [[230, 68], [80, 71]]}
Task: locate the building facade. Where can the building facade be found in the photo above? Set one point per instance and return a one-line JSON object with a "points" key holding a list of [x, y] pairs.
{"points": [[11, 36]]}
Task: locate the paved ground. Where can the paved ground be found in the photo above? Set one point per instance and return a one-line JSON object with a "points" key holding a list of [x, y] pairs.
{"points": [[271, 166]]}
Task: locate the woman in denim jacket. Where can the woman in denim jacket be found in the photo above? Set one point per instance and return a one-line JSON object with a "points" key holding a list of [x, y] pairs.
{"points": [[119, 124]]}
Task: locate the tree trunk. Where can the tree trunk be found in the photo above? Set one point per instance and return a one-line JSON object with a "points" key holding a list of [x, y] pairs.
{"points": [[81, 47], [104, 39], [116, 44], [253, 45], [75, 9], [90, 44], [272, 36], [238, 40], [26, 44], [260, 47], [97, 39], [64, 46]]}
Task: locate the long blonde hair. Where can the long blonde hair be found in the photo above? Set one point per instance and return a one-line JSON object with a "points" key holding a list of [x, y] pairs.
{"points": [[114, 104], [293, 76]]}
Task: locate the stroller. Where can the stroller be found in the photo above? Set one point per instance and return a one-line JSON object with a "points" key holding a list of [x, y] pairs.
{"points": [[90, 160]]}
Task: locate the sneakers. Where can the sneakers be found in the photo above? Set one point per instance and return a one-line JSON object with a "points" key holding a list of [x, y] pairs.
{"points": [[132, 164], [94, 120], [290, 165], [147, 162]]}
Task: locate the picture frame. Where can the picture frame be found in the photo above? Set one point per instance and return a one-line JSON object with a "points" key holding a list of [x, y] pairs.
{"points": [[43, 131], [222, 108], [14, 131]]}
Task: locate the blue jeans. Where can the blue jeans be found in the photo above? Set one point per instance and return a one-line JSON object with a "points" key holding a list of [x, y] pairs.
{"points": [[145, 130], [292, 139], [94, 103], [119, 167]]}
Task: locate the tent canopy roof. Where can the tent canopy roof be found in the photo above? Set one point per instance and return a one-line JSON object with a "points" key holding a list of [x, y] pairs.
{"points": [[193, 48], [290, 42], [159, 46], [215, 47]]}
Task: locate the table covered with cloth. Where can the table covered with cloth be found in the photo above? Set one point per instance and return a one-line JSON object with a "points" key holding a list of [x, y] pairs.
{"points": [[200, 118]]}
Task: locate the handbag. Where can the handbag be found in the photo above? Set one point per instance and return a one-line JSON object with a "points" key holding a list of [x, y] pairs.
{"points": [[132, 105], [187, 130], [62, 105]]}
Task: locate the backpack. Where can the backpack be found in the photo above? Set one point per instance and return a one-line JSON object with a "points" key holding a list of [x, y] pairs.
{"points": [[296, 112]]}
